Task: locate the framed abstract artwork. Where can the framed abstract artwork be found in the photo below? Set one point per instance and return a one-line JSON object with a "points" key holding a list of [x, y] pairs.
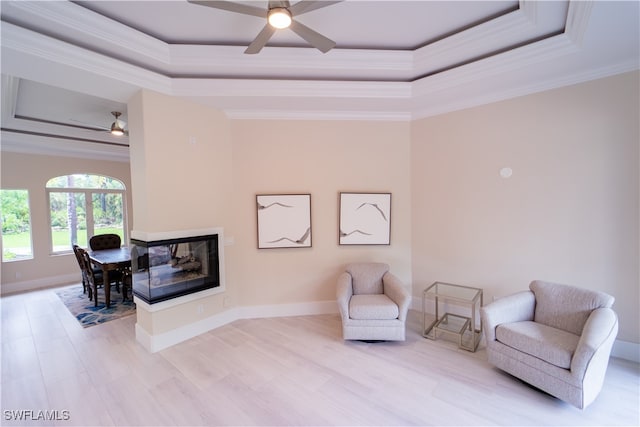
{"points": [[284, 220], [365, 219]]}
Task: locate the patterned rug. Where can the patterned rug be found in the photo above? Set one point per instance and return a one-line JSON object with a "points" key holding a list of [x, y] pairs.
{"points": [[82, 308]]}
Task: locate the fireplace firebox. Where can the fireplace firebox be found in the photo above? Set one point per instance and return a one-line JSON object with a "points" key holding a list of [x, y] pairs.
{"points": [[170, 268]]}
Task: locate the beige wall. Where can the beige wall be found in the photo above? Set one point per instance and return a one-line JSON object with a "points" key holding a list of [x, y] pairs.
{"points": [[181, 168], [321, 158], [31, 172], [180, 162], [569, 213]]}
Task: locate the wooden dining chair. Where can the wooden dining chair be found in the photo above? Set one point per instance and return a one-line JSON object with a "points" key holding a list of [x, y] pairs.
{"points": [[100, 242], [127, 284], [92, 278], [95, 278], [105, 241], [76, 251]]}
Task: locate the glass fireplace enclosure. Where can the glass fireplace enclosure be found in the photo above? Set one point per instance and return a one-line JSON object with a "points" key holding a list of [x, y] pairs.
{"points": [[166, 269]]}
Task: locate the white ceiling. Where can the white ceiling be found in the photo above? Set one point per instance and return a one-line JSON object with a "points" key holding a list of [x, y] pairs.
{"points": [[67, 65]]}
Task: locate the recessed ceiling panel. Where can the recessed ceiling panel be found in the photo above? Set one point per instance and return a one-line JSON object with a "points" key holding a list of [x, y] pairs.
{"points": [[41, 102], [352, 24]]}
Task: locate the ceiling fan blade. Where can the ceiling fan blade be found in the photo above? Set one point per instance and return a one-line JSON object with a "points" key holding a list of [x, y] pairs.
{"points": [[314, 38], [262, 38], [89, 125], [279, 3], [232, 7], [307, 6]]}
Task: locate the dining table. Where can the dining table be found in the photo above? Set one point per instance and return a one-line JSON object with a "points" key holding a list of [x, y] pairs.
{"points": [[110, 260]]}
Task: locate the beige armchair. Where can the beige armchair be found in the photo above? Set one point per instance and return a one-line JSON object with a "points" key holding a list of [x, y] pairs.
{"points": [[373, 303], [557, 338]]}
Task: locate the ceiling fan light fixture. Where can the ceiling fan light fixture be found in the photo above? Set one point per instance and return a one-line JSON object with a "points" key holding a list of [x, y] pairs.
{"points": [[116, 129], [279, 17]]}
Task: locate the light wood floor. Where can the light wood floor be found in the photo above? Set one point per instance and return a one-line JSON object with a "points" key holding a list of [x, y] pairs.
{"points": [[279, 371]]}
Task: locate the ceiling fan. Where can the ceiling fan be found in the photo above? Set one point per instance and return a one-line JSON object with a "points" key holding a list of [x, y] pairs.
{"points": [[279, 15], [117, 127]]}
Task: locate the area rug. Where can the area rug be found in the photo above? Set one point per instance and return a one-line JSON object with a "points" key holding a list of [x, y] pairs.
{"points": [[82, 308]]}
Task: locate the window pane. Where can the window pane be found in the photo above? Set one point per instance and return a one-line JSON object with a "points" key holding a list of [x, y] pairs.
{"points": [[85, 181], [107, 214], [16, 225], [68, 220]]}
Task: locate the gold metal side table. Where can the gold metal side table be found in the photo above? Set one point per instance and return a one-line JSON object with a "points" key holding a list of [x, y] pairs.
{"points": [[463, 327]]}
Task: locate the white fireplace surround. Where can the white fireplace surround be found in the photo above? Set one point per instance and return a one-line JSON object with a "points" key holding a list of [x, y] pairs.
{"points": [[179, 234]]}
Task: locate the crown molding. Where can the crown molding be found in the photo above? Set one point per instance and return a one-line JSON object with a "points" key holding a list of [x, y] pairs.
{"points": [[333, 115], [530, 9], [578, 20], [286, 88], [69, 18], [26, 43], [503, 63], [516, 91], [59, 145], [504, 30], [299, 63], [9, 87]]}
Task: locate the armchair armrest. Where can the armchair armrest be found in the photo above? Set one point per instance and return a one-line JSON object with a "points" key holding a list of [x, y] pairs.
{"points": [[513, 308], [344, 291], [394, 289], [601, 328]]}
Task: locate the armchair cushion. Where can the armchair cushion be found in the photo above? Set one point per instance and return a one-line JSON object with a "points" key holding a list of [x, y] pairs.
{"points": [[367, 277], [550, 344], [370, 307], [552, 301]]}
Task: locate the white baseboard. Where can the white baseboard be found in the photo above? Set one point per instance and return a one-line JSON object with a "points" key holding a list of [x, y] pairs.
{"points": [[283, 310], [626, 350], [46, 282], [154, 343]]}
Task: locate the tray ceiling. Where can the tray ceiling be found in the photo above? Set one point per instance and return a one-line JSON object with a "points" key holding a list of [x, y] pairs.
{"points": [[67, 65]]}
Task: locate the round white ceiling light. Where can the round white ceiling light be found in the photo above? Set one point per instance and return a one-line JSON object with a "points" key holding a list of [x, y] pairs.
{"points": [[279, 17]]}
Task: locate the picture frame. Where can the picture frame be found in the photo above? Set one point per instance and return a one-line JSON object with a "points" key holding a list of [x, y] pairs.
{"points": [[365, 219], [284, 220]]}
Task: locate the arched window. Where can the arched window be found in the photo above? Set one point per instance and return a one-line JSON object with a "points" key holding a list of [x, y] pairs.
{"points": [[83, 205]]}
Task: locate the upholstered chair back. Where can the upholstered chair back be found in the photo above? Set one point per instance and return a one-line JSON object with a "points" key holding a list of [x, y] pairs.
{"points": [[367, 277], [104, 241], [566, 307]]}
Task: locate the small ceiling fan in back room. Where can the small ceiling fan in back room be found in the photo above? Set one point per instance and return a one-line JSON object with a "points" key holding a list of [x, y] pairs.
{"points": [[279, 15], [117, 127]]}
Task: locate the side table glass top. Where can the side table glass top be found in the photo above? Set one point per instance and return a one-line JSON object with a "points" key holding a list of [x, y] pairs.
{"points": [[451, 291]]}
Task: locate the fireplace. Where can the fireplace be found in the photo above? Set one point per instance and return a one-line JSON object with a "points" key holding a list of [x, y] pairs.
{"points": [[172, 267]]}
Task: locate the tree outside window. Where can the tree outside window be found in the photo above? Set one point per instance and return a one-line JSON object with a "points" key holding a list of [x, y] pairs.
{"points": [[83, 205], [16, 225]]}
